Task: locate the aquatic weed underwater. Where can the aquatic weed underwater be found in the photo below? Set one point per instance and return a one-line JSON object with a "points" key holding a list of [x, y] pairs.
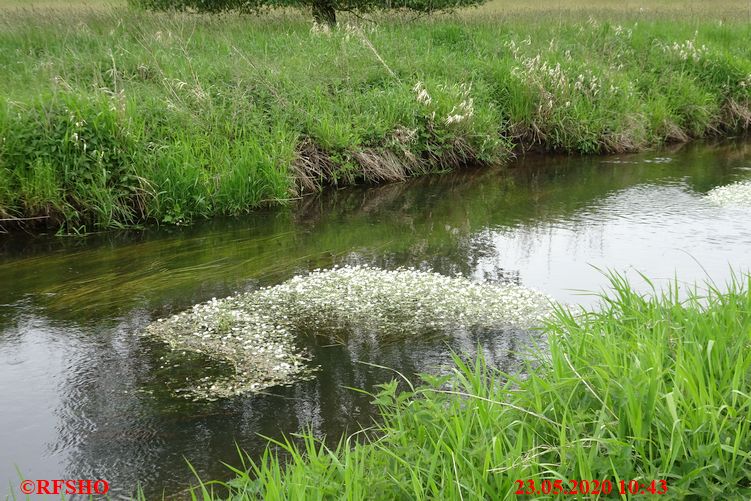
{"points": [[255, 331], [737, 194]]}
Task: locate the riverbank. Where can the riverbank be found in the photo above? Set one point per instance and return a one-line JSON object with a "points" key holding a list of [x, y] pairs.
{"points": [[73, 308], [113, 118], [645, 395]]}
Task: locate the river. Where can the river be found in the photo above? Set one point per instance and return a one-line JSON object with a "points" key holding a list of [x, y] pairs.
{"points": [[83, 392]]}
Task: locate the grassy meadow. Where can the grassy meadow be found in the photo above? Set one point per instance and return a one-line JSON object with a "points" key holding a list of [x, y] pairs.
{"points": [[644, 388], [111, 117]]}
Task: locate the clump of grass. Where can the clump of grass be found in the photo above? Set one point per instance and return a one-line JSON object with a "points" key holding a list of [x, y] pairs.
{"points": [[645, 387], [72, 159], [736, 194], [255, 331]]}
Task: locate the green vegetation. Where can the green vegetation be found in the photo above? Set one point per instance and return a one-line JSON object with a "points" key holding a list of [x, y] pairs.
{"points": [[646, 388], [116, 271], [111, 117]]}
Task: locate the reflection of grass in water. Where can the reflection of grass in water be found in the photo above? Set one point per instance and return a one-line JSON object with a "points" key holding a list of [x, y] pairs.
{"points": [[421, 219], [120, 287]]}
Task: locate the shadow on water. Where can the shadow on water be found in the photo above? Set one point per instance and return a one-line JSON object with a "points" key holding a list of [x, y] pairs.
{"points": [[84, 393]]}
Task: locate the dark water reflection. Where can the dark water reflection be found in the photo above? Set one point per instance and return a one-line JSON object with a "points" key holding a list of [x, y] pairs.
{"points": [[82, 392]]}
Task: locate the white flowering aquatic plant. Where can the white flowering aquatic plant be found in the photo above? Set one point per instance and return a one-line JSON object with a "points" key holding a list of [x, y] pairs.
{"points": [[260, 350], [736, 194], [255, 331]]}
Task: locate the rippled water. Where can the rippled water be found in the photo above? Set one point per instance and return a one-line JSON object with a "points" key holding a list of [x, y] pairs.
{"points": [[83, 394]]}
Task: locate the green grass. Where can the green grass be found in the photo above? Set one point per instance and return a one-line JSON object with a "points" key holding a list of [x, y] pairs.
{"points": [[111, 117], [645, 387]]}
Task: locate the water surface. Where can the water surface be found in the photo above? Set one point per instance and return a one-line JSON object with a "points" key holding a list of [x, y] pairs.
{"points": [[84, 395]]}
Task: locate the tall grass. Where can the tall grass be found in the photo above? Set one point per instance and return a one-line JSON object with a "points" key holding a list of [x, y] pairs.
{"points": [[111, 117], [645, 387]]}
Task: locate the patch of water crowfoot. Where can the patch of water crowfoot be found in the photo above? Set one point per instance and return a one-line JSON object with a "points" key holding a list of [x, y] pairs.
{"points": [[736, 194], [260, 350], [255, 331]]}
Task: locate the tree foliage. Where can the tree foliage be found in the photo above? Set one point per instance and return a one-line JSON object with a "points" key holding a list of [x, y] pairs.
{"points": [[324, 11]]}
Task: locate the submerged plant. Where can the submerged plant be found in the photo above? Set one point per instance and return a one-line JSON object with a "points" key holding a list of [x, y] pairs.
{"points": [[260, 351], [736, 194], [255, 331]]}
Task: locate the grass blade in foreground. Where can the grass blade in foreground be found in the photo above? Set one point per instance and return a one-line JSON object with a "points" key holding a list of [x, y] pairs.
{"points": [[645, 388]]}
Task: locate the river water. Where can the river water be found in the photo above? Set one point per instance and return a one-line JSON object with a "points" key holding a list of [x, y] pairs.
{"points": [[83, 393]]}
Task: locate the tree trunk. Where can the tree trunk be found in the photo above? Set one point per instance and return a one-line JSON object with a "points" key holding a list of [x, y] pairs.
{"points": [[324, 12]]}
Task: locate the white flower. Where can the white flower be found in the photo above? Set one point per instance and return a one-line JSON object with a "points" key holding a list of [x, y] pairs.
{"points": [[736, 194], [358, 298], [424, 97]]}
